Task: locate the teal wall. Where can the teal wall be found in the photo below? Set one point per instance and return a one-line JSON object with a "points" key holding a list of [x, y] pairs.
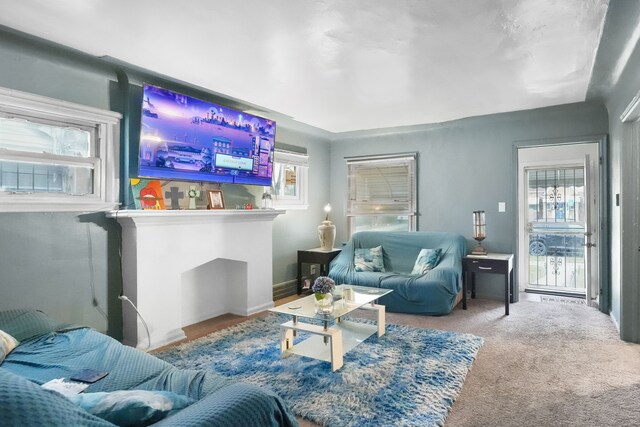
{"points": [[298, 229], [466, 165], [625, 283], [65, 264], [30, 65]]}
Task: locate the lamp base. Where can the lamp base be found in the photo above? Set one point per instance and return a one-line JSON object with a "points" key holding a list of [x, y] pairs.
{"points": [[479, 250], [327, 235]]}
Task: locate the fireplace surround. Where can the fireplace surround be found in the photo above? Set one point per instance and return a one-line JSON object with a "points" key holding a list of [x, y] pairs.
{"points": [[184, 266]]}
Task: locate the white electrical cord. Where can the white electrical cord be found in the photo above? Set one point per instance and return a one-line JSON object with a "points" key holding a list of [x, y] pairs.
{"points": [[124, 298]]}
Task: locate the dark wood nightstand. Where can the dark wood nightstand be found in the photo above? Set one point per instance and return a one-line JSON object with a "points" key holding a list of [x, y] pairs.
{"points": [[490, 263], [315, 256]]}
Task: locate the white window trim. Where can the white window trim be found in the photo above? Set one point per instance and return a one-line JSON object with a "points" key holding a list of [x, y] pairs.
{"points": [[106, 167], [302, 180]]}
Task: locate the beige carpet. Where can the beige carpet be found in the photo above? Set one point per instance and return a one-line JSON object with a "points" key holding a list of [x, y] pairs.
{"points": [[544, 365]]}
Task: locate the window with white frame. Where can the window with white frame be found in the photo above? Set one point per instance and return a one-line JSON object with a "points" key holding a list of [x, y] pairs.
{"points": [[289, 187], [382, 193], [56, 155]]}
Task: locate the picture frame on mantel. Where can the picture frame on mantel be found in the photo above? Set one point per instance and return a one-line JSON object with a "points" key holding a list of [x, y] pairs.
{"points": [[216, 200]]}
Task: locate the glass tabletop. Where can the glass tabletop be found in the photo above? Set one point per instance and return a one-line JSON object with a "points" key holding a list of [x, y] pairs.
{"points": [[346, 299]]}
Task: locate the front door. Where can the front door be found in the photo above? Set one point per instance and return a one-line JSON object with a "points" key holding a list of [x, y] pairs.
{"points": [[558, 220]]}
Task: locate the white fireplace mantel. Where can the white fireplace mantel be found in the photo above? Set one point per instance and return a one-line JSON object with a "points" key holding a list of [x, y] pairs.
{"points": [[184, 266], [175, 217]]}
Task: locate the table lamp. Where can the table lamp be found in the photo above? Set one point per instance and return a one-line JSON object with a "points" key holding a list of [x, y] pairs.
{"points": [[479, 233], [327, 231]]}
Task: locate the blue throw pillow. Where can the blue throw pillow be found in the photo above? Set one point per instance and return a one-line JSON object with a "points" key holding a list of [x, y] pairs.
{"points": [[427, 259], [369, 259], [131, 407]]}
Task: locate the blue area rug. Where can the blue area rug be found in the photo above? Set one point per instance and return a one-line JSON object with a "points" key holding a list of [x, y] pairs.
{"points": [[407, 377]]}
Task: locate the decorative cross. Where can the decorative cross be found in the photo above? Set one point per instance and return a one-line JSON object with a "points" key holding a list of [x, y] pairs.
{"points": [[193, 193], [174, 195]]}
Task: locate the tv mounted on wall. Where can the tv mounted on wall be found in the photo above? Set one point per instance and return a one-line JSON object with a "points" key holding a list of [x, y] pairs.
{"points": [[185, 138]]}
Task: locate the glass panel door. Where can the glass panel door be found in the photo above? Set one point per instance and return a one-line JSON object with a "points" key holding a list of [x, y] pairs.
{"points": [[555, 229]]}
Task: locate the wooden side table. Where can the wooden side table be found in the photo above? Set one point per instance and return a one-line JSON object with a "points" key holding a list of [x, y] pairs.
{"points": [[315, 256], [490, 263]]}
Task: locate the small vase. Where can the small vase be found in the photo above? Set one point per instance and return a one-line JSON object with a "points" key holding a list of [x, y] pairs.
{"points": [[324, 303]]}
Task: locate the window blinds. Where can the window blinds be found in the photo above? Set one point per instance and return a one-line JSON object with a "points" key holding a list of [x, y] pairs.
{"points": [[383, 185], [290, 158]]}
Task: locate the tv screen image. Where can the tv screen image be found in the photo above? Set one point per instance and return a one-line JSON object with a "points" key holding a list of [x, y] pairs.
{"points": [[185, 138]]}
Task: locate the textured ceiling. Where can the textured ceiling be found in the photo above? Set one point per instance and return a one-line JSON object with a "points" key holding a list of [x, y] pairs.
{"points": [[344, 65]]}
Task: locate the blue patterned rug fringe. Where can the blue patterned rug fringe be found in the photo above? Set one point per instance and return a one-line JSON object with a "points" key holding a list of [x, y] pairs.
{"points": [[407, 377]]}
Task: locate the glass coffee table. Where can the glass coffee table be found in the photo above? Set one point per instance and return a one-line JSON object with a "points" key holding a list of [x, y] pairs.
{"points": [[334, 336]]}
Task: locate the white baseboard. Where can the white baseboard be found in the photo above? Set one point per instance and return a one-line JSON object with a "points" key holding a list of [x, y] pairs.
{"points": [[252, 310], [200, 317], [168, 338], [171, 337]]}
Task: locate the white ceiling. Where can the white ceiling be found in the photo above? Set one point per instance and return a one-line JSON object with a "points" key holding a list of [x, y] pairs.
{"points": [[343, 65]]}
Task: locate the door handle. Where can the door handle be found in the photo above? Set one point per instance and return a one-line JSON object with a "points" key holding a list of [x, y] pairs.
{"points": [[484, 268], [589, 245]]}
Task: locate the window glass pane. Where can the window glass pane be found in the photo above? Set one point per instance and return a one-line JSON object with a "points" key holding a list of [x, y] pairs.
{"points": [[290, 181], [382, 192], [285, 181], [556, 195], [9, 175], [382, 223], [25, 176], [23, 135], [381, 186], [381, 182], [39, 178]]}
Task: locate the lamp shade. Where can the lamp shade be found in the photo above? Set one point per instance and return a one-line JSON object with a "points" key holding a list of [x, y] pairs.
{"points": [[327, 209], [479, 232], [479, 225]]}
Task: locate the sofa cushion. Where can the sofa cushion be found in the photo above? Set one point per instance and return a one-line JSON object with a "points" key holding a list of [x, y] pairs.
{"points": [[7, 343], [131, 407], [427, 259], [23, 323], [369, 259]]}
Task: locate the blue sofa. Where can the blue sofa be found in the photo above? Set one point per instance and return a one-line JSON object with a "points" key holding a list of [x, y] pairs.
{"points": [[50, 350], [433, 293]]}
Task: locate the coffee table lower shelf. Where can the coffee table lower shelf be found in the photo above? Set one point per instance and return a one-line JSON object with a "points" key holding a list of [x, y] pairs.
{"points": [[329, 343]]}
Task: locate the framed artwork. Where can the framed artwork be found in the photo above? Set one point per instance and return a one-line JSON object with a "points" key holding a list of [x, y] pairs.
{"points": [[216, 201]]}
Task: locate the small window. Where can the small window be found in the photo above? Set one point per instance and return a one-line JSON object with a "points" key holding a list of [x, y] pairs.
{"points": [[289, 187], [382, 193], [56, 156]]}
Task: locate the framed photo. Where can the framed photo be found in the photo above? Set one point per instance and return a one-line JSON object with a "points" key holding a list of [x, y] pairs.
{"points": [[216, 201]]}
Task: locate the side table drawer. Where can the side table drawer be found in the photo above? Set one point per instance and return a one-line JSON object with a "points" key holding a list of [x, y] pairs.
{"points": [[486, 266]]}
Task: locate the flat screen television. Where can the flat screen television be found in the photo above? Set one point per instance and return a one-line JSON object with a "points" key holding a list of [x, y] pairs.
{"points": [[185, 138]]}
